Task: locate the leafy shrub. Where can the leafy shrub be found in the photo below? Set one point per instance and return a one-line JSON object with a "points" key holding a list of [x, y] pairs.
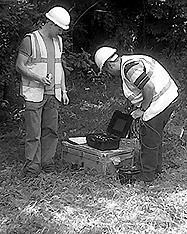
{"points": [[15, 20]]}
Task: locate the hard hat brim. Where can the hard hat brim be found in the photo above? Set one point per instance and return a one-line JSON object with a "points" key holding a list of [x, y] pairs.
{"points": [[65, 27], [102, 65]]}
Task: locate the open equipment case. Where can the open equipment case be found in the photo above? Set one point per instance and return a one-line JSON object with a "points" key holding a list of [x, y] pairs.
{"points": [[111, 152], [118, 127]]}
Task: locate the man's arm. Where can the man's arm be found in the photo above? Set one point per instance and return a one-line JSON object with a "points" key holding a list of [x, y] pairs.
{"points": [[147, 92], [63, 87], [136, 73], [22, 59], [63, 81], [22, 68], [25, 71]]}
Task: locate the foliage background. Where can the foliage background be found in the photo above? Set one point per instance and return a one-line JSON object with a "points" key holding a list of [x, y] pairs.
{"points": [[153, 27]]}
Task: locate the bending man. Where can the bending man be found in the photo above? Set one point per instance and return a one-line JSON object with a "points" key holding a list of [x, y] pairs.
{"points": [[149, 87]]}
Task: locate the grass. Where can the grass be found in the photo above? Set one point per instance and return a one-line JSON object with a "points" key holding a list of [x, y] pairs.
{"points": [[83, 201], [80, 202]]}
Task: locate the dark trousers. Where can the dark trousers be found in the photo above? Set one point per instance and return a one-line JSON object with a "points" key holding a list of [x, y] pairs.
{"points": [[41, 124], [151, 133]]}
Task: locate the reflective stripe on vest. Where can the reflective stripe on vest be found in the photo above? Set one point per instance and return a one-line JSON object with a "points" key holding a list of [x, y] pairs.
{"points": [[39, 85], [44, 60], [57, 86], [33, 84], [167, 86], [157, 95]]}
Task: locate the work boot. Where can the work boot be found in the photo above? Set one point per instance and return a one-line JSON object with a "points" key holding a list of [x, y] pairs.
{"points": [[27, 173], [146, 177], [49, 168]]}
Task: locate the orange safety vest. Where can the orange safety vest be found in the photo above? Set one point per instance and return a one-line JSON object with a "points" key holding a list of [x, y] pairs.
{"points": [[37, 63], [165, 90]]}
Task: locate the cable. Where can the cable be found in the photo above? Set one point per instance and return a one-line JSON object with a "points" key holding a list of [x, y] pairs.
{"points": [[83, 14]]}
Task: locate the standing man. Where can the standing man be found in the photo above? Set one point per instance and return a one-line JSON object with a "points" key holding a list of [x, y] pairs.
{"points": [[43, 87], [149, 87]]}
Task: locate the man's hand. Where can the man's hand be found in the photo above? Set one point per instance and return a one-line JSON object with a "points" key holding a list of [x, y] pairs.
{"points": [[47, 80], [137, 113], [65, 98]]}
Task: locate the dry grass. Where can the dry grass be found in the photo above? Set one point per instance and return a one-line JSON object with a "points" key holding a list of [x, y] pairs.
{"points": [[83, 202]]}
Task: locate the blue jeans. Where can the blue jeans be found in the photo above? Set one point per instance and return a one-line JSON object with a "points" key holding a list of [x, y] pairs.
{"points": [[151, 134], [41, 125]]}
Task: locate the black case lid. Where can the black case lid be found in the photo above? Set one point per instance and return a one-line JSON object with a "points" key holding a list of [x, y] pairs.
{"points": [[119, 124]]}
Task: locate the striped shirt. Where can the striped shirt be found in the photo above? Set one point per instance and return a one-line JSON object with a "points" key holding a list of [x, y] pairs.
{"points": [[135, 72]]}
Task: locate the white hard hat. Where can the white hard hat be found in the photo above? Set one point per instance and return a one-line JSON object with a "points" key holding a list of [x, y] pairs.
{"points": [[103, 54], [59, 16]]}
